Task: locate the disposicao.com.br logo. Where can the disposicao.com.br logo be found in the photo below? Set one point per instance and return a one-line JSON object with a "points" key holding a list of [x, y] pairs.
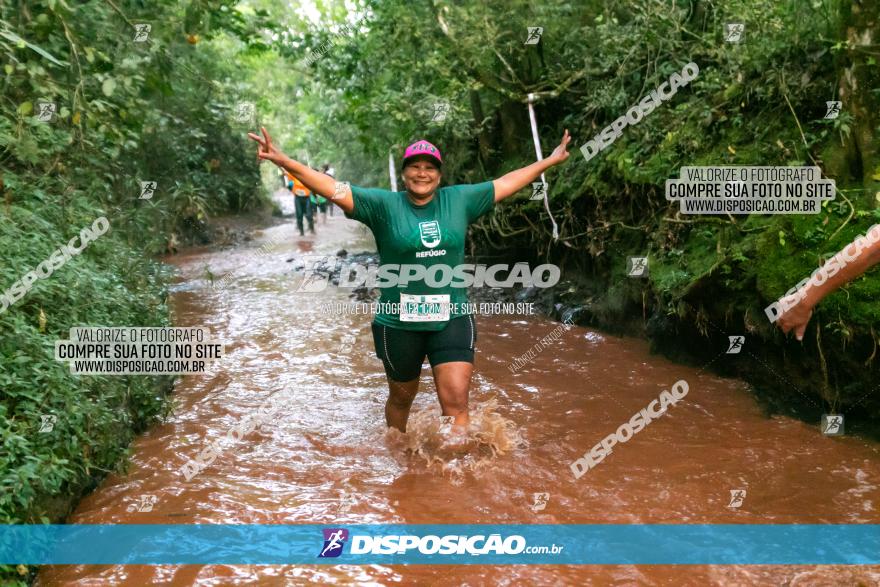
{"points": [[431, 544], [334, 540]]}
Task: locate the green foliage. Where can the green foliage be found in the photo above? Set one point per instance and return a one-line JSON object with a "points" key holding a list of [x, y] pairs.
{"points": [[757, 102], [160, 110]]}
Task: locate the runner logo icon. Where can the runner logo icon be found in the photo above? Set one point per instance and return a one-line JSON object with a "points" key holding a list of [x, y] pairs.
{"points": [[430, 233], [334, 540]]}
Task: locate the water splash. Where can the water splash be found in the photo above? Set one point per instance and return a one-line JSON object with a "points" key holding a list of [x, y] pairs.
{"points": [[430, 437]]}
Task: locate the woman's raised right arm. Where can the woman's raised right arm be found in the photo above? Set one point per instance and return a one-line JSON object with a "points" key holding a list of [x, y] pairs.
{"points": [[337, 192]]}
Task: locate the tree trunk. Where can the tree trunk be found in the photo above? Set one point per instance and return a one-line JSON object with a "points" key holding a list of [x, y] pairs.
{"points": [[861, 30]]}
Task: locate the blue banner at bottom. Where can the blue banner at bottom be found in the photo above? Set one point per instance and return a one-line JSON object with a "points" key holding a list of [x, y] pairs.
{"points": [[455, 544]]}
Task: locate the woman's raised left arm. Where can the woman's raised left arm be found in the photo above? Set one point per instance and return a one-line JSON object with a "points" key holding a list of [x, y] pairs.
{"points": [[512, 182]]}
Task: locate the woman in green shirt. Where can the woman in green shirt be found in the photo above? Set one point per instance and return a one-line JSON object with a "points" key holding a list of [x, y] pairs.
{"points": [[423, 227]]}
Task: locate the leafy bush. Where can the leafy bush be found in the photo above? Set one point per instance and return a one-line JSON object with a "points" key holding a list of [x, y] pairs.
{"points": [[125, 112]]}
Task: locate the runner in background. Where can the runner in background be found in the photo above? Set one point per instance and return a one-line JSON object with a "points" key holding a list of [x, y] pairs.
{"points": [[320, 202], [302, 204], [332, 173]]}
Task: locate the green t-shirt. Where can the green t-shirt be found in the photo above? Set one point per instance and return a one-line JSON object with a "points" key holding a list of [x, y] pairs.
{"points": [[428, 235]]}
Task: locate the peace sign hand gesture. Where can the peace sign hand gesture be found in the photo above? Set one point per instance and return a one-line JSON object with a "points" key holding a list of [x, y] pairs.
{"points": [[267, 151]]}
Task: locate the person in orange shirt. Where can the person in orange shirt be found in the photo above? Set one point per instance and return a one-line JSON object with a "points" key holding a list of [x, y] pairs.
{"points": [[301, 197]]}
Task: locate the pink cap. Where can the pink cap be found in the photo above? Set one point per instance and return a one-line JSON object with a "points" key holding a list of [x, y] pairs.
{"points": [[422, 148]]}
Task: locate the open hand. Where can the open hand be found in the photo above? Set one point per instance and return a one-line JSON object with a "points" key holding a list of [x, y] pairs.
{"points": [[267, 151], [560, 153]]}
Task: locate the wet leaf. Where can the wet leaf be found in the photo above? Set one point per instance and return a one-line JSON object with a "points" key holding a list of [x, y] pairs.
{"points": [[108, 86], [22, 44]]}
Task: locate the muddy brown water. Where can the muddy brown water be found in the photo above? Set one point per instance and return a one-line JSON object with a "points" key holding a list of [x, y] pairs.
{"points": [[326, 458]]}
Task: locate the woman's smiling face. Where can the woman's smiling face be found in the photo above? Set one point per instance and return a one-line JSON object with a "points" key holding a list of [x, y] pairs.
{"points": [[421, 176]]}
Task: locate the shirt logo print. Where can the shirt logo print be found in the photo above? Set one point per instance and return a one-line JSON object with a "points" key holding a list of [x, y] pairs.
{"points": [[430, 233]]}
